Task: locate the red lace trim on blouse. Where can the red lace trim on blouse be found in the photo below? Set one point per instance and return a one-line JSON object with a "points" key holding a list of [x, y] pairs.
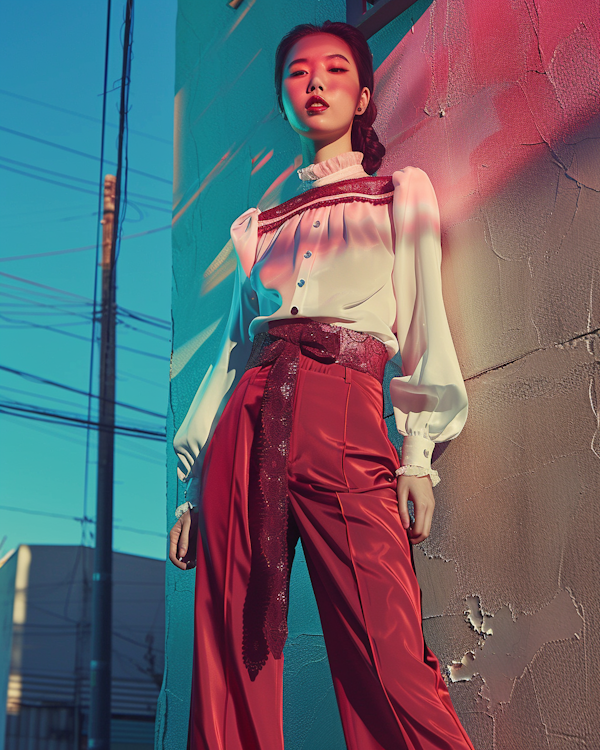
{"points": [[373, 190]]}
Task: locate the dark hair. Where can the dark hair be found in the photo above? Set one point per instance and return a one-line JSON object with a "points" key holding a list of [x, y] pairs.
{"points": [[363, 135]]}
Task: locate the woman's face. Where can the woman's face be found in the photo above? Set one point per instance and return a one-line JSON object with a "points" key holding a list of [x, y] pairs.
{"points": [[320, 88]]}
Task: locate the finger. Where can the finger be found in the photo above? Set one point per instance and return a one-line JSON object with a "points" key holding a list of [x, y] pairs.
{"points": [[173, 539], [428, 520], [185, 534], [174, 556], [402, 492], [416, 532], [424, 505], [178, 563], [174, 559]]}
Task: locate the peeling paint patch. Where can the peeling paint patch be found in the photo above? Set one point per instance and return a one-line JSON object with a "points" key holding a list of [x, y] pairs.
{"points": [[480, 621], [438, 579], [512, 644]]}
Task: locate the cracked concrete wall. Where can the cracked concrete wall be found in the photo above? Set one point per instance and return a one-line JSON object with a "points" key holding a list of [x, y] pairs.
{"points": [[498, 102]]}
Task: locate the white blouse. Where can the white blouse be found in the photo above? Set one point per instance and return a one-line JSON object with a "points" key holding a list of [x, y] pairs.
{"points": [[355, 251]]}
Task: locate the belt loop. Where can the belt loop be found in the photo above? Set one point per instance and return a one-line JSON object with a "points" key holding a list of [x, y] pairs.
{"points": [[348, 374]]}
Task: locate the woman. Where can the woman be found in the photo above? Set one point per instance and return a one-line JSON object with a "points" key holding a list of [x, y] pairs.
{"points": [[330, 285]]}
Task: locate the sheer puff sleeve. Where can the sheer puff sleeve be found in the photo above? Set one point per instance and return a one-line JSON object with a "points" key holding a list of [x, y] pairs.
{"points": [[429, 399], [214, 390]]}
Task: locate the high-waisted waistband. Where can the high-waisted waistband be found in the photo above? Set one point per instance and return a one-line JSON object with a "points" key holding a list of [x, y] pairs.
{"points": [[325, 343], [266, 605]]}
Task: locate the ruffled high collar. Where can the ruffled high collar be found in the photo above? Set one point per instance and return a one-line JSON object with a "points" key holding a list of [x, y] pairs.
{"points": [[343, 167]]}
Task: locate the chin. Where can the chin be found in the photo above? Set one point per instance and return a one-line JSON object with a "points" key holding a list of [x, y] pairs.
{"points": [[320, 127]]}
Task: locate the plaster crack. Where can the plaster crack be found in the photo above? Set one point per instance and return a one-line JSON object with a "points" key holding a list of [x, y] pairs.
{"points": [[538, 707], [535, 25], [590, 310], [566, 342], [579, 184], [592, 397], [168, 691], [517, 475]]}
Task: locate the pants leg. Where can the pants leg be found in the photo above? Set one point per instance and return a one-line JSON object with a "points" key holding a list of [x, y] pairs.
{"points": [[389, 688], [342, 500], [228, 710]]}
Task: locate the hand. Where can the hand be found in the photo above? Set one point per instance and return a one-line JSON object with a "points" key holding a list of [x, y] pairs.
{"points": [[183, 536], [421, 493]]}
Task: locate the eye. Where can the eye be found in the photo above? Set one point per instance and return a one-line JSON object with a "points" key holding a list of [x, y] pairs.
{"points": [[336, 70], [297, 73]]}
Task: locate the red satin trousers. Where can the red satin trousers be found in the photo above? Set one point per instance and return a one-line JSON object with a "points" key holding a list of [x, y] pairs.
{"points": [[342, 503]]}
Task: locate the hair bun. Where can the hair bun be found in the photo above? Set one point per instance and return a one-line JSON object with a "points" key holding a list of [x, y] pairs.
{"points": [[364, 138]]}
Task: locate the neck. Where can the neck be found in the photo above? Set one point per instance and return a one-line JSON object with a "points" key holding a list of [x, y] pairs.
{"points": [[314, 152]]}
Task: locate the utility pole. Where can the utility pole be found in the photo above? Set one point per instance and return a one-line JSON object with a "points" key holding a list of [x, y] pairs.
{"points": [[100, 672], [100, 677]]}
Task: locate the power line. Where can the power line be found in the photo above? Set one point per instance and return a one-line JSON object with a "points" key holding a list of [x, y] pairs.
{"points": [[142, 317], [37, 303], [38, 379], [75, 151], [45, 415], [54, 329], [129, 327], [43, 286], [73, 187], [85, 519], [150, 320], [81, 115], [27, 324], [80, 249], [76, 179], [34, 395], [121, 312], [146, 455], [74, 415], [124, 375]]}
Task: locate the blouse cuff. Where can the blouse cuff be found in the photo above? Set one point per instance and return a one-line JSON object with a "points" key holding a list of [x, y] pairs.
{"points": [[416, 451], [183, 508], [419, 471]]}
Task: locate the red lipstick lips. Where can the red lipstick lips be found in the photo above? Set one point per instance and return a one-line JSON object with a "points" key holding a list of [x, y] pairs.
{"points": [[316, 104]]}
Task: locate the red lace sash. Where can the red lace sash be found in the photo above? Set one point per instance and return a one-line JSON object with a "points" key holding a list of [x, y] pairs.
{"points": [[266, 605]]}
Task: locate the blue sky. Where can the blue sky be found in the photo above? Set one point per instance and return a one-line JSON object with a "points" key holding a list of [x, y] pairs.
{"points": [[53, 54]]}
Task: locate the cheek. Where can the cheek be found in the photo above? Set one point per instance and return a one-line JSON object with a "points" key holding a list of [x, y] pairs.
{"points": [[349, 90], [291, 97]]}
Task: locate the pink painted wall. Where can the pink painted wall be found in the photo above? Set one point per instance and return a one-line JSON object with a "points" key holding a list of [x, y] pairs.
{"points": [[500, 103]]}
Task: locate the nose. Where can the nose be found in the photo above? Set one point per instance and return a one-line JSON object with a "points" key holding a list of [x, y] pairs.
{"points": [[313, 84]]}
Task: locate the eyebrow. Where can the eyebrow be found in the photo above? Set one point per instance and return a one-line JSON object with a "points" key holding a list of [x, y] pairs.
{"points": [[303, 59]]}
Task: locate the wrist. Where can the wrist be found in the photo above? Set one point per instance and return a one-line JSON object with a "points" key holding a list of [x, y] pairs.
{"points": [[417, 451], [419, 471], [183, 508]]}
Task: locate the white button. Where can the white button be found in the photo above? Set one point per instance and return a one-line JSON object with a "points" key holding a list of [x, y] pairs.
{"points": [[307, 254], [301, 282], [317, 224]]}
